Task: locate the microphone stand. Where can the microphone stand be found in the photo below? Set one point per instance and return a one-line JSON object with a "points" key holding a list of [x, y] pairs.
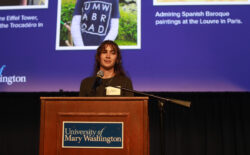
{"points": [[179, 102], [161, 105]]}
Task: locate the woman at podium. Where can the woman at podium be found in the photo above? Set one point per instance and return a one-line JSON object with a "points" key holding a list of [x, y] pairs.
{"points": [[109, 74]]}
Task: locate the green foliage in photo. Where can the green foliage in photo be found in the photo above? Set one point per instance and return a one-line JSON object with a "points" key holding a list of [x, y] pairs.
{"points": [[67, 11], [127, 26]]}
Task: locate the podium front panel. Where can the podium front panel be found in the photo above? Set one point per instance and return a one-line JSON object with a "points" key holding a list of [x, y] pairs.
{"points": [[94, 125]]}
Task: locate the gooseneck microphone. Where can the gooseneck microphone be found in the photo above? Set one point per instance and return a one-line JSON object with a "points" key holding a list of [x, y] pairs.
{"points": [[98, 79]]}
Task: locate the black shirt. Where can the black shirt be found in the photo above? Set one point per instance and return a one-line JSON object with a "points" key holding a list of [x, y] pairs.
{"points": [[86, 88]]}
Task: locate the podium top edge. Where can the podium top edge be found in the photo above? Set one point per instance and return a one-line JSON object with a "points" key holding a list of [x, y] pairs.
{"points": [[93, 98]]}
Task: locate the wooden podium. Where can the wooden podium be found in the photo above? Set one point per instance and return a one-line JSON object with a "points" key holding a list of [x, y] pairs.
{"points": [[78, 125]]}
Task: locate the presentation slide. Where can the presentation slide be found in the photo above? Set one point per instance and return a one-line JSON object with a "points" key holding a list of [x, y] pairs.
{"points": [[167, 45]]}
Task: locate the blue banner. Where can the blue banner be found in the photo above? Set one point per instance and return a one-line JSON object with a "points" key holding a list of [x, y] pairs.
{"points": [[167, 45]]}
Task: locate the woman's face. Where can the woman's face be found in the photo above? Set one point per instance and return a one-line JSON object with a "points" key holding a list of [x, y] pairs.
{"points": [[108, 58]]}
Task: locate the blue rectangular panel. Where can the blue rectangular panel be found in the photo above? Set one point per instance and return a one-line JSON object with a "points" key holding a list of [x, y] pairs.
{"points": [[92, 135]]}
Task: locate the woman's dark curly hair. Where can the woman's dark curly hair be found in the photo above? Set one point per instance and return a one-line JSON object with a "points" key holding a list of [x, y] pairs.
{"points": [[118, 64]]}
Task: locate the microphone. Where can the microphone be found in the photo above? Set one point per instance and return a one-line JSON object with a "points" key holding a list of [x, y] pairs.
{"points": [[98, 79]]}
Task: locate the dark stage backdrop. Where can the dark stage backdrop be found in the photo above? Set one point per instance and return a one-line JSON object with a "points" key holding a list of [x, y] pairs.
{"points": [[216, 124], [177, 45]]}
